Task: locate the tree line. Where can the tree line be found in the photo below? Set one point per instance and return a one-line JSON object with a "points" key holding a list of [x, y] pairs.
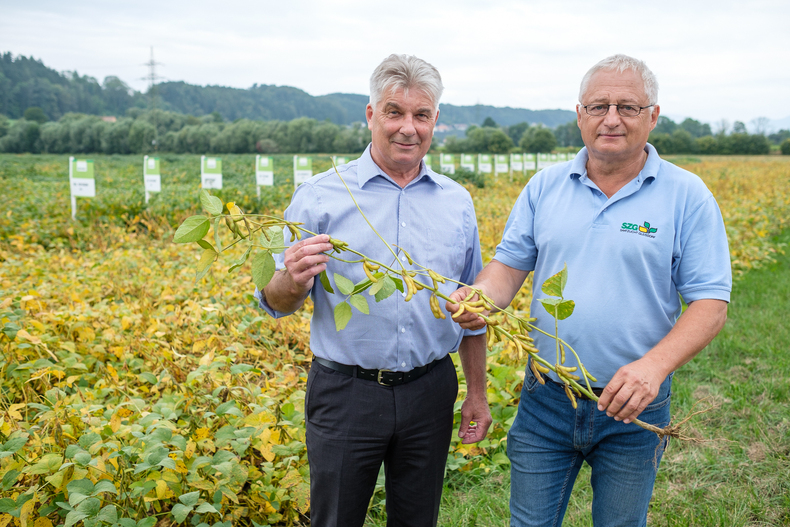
{"points": [[145, 132], [687, 137]]}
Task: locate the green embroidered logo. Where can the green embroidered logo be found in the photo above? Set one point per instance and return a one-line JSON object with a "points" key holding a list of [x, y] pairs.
{"points": [[646, 228]]}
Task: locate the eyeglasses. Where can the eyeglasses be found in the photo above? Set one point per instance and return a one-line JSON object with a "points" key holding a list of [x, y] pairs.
{"points": [[625, 110]]}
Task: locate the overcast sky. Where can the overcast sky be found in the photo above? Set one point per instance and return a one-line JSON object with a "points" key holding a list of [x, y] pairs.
{"points": [[714, 59]]}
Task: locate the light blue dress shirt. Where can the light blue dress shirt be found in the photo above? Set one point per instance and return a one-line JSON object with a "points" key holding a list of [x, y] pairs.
{"points": [[432, 218], [625, 282]]}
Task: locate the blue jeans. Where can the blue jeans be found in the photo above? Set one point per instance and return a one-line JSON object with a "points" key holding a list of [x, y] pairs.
{"points": [[549, 440]]}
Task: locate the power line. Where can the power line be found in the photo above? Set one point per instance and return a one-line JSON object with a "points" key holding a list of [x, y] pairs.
{"points": [[152, 77]]}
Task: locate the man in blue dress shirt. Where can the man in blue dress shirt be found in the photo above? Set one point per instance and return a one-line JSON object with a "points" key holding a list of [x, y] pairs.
{"points": [[637, 233], [382, 390]]}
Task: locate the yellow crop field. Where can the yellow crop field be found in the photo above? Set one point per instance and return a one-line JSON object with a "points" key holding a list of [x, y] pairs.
{"points": [[129, 393]]}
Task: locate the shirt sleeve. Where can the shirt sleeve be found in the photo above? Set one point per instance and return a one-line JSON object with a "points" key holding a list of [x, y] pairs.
{"points": [[302, 209], [701, 268], [517, 248]]}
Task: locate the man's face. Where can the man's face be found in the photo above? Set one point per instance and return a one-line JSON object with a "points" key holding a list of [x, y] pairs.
{"points": [[612, 136], [401, 128]]}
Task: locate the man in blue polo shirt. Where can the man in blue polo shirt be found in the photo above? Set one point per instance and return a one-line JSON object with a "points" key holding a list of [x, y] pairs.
{"points": [[383, 389], [637, 233]]}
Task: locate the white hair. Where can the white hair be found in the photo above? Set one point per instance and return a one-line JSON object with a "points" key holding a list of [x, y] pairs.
{"points": [[620, 63], [405, 72]]}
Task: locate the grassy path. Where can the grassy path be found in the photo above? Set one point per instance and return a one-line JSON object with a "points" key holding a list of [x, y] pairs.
{"points": [[741, 477]]}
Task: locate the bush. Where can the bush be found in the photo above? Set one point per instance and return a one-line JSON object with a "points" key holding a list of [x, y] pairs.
{"points": [[785, 148]]}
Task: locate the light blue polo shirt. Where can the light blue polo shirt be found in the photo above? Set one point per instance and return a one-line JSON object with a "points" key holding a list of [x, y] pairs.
{"points": [[432, 218], [629, 257]]}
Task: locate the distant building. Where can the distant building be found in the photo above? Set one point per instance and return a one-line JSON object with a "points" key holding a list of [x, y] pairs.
{"points": [[109, 118]]}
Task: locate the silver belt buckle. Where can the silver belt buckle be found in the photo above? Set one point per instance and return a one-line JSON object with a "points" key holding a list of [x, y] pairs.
{"points": [[378, 377]]}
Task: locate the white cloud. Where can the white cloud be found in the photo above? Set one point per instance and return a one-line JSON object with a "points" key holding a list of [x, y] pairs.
{"points": [[713, 60]]}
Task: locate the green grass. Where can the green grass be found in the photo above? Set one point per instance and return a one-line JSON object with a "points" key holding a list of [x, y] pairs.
{"points": [[740, 475]]}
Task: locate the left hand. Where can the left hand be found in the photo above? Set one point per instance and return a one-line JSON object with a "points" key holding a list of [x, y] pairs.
{"points": [[474, 410], [632, 388]]}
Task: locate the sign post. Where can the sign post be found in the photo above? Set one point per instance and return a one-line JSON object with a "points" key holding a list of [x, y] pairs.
{"points": [[500, 164], [447, 164], [468, 162], [303, 169], [211, 172], [530, 162], [81, 182], [264, 173], [427, 160], [339, 160], [516, 164], [152, 178], [484, 163]]}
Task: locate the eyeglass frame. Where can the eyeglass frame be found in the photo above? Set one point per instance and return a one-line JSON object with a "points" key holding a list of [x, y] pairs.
{"points": [[618, 109]]}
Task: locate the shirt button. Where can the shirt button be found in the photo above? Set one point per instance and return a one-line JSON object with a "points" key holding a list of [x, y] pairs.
{"points": [[403, 258], [403, 224], [403, 364], [403, 330]]}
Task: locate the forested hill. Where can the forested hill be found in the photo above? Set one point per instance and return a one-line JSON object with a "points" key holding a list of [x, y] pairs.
{"points": [[27, 82]]}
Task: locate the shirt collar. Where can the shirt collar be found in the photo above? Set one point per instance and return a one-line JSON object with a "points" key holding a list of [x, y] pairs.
{"points": [[367, 169], [649, 171]]}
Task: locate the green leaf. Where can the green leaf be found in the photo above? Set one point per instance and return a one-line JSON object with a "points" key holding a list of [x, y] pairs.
{"points": [[262, 269], [342, 314], [226, 408], [241, 261], [90, 506], [206, 507], [180, 512], [345, 285], [108, 514], [211, 204], [241, 368], [9, 478], [206, 245], [275, 241], [565, 309], [325, 282], [13, 445], [48, 464], [73, 517], [7, 505], [206, 259], [104, 485], [190, 499], [389, 286], [360, 302], [193, 229], [555, 285]]}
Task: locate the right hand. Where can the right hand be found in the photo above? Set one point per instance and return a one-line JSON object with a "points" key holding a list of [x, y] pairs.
{"points": [[305, 259], [466, 320]]}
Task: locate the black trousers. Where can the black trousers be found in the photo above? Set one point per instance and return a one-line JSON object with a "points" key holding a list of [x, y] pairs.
{"points": [[354, 425]]}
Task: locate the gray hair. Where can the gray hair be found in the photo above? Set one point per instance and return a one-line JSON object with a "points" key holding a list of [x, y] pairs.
{"points": [[405, 72], [620, 63]]}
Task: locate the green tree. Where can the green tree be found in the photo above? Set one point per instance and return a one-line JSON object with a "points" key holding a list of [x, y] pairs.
{"points": [[3, 125], [568, 134], [141, 135], [776, 138], [24, 136], [34, 113], [538, 140], [489, 123], [665, 125], [785, 148], [738, 127], [696, 128], [515, 131]]}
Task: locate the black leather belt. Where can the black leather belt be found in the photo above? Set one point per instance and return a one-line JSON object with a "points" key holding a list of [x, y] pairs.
{"points": [[383, 377], [596, 391]]}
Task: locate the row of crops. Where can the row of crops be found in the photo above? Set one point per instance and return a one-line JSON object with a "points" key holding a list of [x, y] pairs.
{"points": [[132, 394]]}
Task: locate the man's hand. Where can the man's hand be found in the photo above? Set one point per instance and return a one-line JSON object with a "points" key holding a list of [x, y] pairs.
{"points": [[466, 320], [632, 388], [474, 410], [303, 261]]}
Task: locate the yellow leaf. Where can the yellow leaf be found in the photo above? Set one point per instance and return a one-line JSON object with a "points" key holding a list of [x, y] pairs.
{"points": [[5, 428], [190, 451], [72, 379], [28, 337], [5, 519], [207, 359], [161, 489], [5, 303], [115, 422], [126, 323], [201, 434], [38, 325], [42, 521], [27, 508], [13, 411]]}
